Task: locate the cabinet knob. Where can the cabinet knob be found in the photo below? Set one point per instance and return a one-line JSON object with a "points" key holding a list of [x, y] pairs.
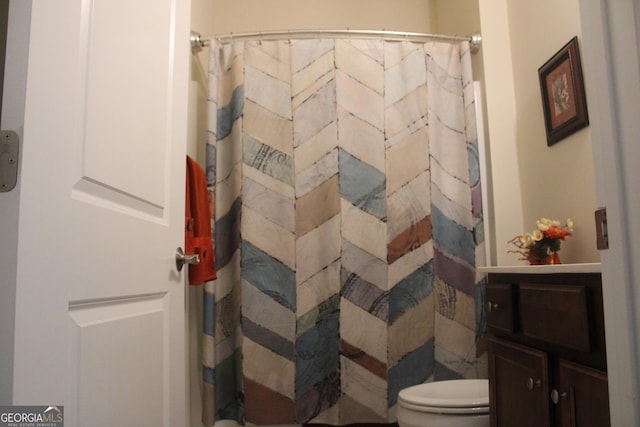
{"points": [[491, 306], [531, 383], [556, 396]]}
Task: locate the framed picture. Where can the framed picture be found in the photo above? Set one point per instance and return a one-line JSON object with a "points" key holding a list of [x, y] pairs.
{"points": [[563, 98]]}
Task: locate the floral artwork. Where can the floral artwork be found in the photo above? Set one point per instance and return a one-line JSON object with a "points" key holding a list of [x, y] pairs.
{"points": [[542, 244], [563, 98]]}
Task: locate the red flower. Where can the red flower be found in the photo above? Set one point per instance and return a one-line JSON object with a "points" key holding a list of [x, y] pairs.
{"points": [[555, 232]]}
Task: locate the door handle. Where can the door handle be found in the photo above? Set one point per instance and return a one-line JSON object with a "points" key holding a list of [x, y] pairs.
{"points": [[182, 259]]}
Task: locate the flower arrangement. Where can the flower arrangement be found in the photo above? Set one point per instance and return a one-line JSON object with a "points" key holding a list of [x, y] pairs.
{"points": [[542, 244]]}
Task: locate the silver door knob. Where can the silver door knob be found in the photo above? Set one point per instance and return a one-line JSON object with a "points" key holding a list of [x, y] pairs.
{"points": [[531, 383], [557, 396], [182, 259]]}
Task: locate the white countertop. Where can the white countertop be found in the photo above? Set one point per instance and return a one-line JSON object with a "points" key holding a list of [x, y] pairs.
{"points": [[593, 267]]}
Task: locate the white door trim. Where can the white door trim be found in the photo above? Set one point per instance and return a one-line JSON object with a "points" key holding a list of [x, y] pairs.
{"points": [[612, 73]]}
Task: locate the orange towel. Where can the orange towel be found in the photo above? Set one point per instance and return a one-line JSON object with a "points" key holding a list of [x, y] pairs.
{"points": [[197, 232]]}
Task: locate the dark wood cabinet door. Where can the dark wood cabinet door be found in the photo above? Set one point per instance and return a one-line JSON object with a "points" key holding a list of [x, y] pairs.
{"points": [[557, 314], [500, 307], [582, 396], [518, 385]]}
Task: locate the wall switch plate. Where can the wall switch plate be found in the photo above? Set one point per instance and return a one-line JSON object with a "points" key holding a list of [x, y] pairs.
{"points": [[9, 148]]}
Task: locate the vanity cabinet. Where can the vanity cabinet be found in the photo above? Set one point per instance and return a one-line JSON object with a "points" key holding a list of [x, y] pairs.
{"points": [[547, 357]]}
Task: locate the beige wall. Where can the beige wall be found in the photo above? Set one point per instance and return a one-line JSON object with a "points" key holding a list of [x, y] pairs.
{"points": [[202, 14], [505, 210], [459, 17], [251, 15], [558, 181]]}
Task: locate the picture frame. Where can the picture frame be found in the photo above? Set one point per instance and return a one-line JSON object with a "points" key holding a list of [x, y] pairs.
{"points": [[563, 95]]}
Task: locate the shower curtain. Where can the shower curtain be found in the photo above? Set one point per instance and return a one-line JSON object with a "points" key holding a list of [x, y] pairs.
{"points": [[348, 226]]}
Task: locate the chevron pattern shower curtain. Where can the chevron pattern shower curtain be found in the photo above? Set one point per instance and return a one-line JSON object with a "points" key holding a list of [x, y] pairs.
{"points": [[348, 228]]}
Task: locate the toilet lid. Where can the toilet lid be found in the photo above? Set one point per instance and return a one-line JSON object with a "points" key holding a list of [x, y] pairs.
{"points": [[447, 394]]}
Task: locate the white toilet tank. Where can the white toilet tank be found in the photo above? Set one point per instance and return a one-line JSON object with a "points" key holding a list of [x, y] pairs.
{"points": [[459, 403]]}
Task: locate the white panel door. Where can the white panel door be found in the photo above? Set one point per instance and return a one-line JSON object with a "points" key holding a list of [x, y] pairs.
{"points": [[610, 43], [100, 307]]}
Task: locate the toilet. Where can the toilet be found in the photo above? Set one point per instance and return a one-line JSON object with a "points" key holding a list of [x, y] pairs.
{"points": [[452, 403]]}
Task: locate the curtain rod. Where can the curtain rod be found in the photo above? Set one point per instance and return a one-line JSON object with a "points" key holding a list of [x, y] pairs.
{"points": [[198, 42]]}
